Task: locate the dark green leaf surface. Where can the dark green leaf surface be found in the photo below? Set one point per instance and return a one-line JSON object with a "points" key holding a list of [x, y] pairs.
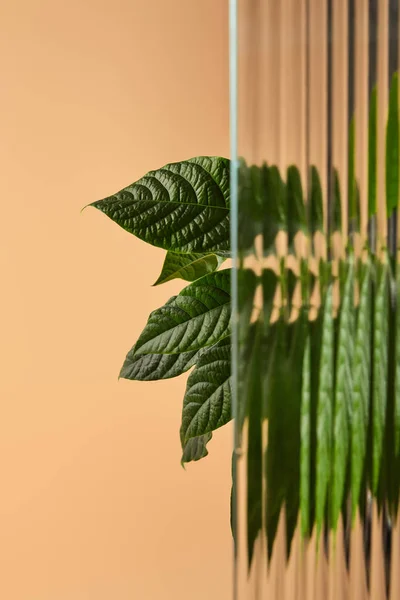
{"points": [[274, 209], [325, 412], [296, 212], [292, 425], [343, 397], [253, 400], [151, 367], [198, 317], [397, 367], [207, 401], [380, 369], [337, 203], [305, 444], [392, 149], [195, 448], [275, 389], [316, 203], [308, 425], [283, 398], [361, 388], [182, 207], [188, 266]]}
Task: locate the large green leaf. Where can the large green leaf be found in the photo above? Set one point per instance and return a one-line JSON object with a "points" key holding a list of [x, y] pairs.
{"points": [[151, 367], [195, 448], [253, 399], [325, 412], [380, 370], [392, 149], [183, 207], [207, 401], [343, 397], [397, 368], [361, 388], [308, 424], [188, 266], [275, 390], [305, 443], [283, 397], [292, 414], [198, 317]]}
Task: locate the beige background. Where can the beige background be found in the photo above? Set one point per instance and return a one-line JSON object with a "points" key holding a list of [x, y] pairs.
{"points": [[94, 504]]}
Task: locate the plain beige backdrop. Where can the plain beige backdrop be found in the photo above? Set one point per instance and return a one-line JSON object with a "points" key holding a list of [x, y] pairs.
{"points": [[94, 504]]}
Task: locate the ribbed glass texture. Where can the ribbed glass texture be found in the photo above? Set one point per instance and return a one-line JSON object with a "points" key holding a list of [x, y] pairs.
{"points": [[316, 314]]}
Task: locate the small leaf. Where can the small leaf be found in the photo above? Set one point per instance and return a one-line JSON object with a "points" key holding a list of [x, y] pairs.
{"points": [[198, 317], [324, 412], [392, 149], [380, 371], [207, 401], [188, 266], [343, 397], [183, 207], [361, 388], [195, 448], [152, 367]]}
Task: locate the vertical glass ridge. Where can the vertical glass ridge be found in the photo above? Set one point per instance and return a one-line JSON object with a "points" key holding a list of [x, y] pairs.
{"points": [[315, 184]]}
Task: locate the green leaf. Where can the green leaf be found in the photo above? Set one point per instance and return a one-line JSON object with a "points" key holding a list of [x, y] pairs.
{"points": [[274, 206], [392, 149], [188, 266], [292, 411], [308, 424], [276, 388], [324, 412], [253, 399], [296, 213], [207, 401], [343, 397], [397, 368], [305, 444], [195, 448], [251, 187], [316, 203], [372, 153], [337, 203], [269, 281], [361, 388], [283, 396], [198, 317], [183, 207], [380, 371], [152, 367]]}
